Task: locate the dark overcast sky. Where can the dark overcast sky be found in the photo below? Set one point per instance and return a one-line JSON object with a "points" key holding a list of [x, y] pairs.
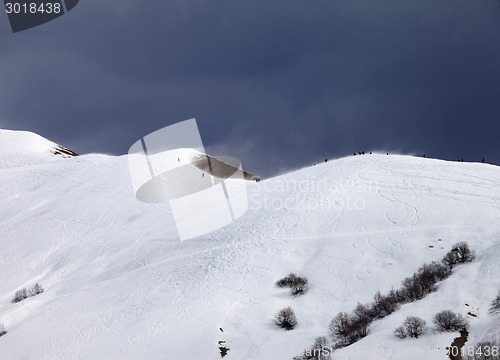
{"points": [[278, 84]]}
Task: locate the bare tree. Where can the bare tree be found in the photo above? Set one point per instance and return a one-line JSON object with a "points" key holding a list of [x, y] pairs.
{"points": [[414, 326], [464, 253], [340, 328], [298, 285], [450, 259], [450, 321], [346, 329], [359, 328], [320, 349], [21, 294], [286, 281], [383, 305], [460, 253], [430, 274], [363, 312], [412, 289], [400, 332], [286, 318], [36, 289]]}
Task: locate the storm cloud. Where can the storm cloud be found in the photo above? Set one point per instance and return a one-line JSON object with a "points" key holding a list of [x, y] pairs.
{"points": [[278, 84]]}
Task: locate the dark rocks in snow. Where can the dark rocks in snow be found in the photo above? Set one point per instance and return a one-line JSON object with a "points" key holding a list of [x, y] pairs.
{"points": [[60, 150]]}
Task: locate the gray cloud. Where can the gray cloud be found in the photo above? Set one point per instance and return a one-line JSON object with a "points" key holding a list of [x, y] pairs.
{"points": [[278, 84]]}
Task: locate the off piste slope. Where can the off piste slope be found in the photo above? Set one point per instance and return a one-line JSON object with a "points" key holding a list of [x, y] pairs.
{"points": [[120, 285]]}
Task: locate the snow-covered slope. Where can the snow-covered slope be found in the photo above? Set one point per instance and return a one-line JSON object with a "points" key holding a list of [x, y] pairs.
{"points": [[22, 148], [120, 285]]}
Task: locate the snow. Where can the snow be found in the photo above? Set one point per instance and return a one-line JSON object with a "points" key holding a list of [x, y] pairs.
{"points": [[119, 284], [16, 142], [23, 148]]}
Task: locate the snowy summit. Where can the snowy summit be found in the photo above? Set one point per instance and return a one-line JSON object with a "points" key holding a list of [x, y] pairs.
{"points": [[22, 147]]}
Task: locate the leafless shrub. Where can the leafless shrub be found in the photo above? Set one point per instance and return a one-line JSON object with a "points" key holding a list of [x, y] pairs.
{"points": [[423, 281], [464, 253], [21, 294], [429, 274], [346, 329], [412, 289], [400, 332], [340, 328], [450, 321], [412, 327], [383, 305], [450, 259], [286, 318], [298, 285], [363, 312], [36, 289], [286, 281], [460, 253], [359, 328], [320, 349]]}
